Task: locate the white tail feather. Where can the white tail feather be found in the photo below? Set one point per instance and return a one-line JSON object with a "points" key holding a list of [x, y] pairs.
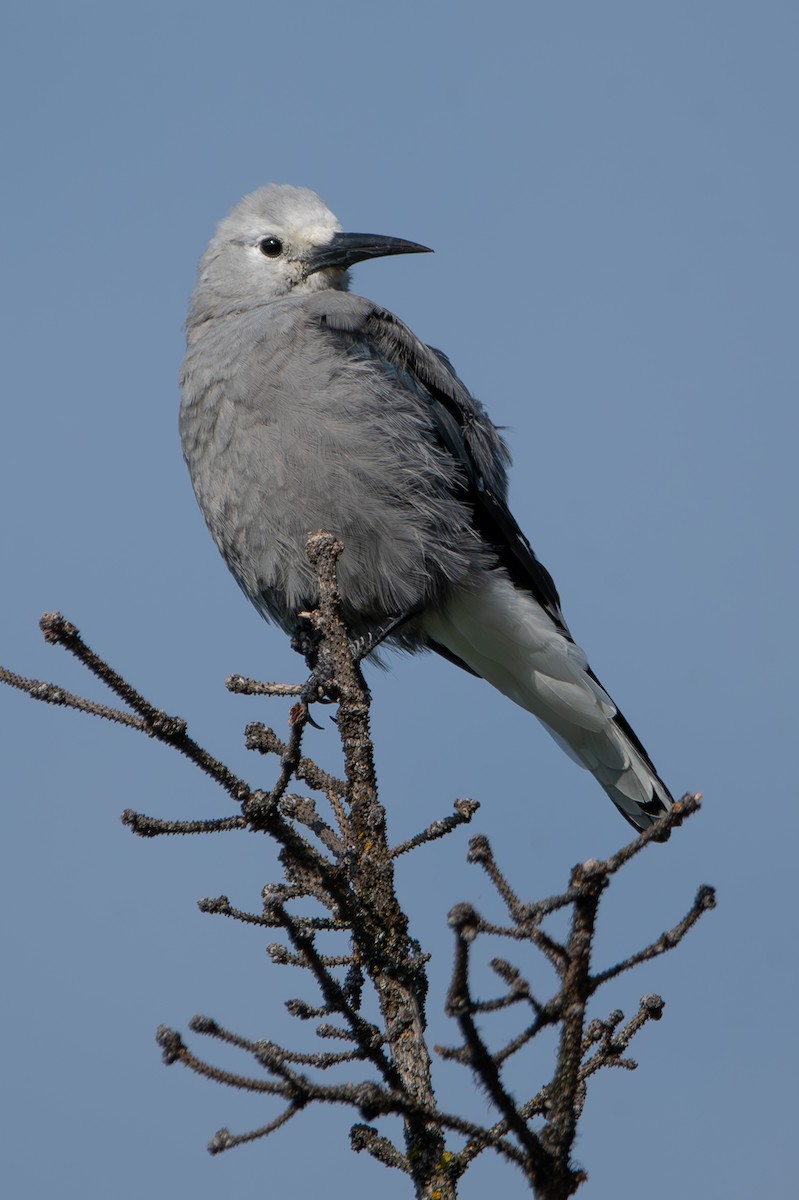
{"points": [[503, 634]]}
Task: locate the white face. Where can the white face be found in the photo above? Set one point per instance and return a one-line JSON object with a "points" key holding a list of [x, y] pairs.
{"points": [[261, 250]]}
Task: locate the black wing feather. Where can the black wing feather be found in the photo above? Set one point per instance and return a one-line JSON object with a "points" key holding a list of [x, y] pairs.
{"points": [[455, 416]]}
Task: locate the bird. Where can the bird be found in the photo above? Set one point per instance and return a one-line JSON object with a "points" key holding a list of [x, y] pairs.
{"points": [[307, 407]]}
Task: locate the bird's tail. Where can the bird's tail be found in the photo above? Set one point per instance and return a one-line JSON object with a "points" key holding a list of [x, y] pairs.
{"points": [[501, 633]]}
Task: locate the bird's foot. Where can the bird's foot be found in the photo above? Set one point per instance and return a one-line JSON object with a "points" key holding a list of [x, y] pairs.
{"points": [[321, 686], [306, 640], [361, 647]]}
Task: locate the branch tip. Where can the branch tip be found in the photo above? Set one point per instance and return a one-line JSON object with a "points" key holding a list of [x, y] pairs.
{"points": [[653, 1005], [221, 1141], [204, 1025], [56, 628], [171, 1044], [219, 905]]}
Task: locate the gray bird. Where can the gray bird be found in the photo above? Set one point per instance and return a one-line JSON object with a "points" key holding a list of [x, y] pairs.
{"points": [[305, 407]]}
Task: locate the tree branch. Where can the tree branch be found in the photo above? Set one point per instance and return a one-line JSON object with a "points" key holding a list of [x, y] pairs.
{"points": [[356, 944]]}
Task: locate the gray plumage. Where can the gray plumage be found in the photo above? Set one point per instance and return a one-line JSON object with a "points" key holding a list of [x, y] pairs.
{"points": [[305, 407]]}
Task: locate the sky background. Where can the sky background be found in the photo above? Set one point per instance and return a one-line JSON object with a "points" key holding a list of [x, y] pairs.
{"points": [[612, 193]]}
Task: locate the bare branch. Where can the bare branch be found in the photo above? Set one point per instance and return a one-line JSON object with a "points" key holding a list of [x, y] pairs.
{"points": [[153, 827], [365, 1137], [265, 741], [240, 685], [50, 693], [658, 831], [352, 936], [464, 811], [223, 1140], [152, 721], [704, 901], [462, 920]]}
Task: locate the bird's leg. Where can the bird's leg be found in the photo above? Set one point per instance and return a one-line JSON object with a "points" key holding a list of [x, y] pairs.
{"points": [[319, 688], [306, 639], [368, 642]]}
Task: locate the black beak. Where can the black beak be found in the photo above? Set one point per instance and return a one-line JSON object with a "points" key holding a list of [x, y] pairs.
{"points": [[345, 249]]}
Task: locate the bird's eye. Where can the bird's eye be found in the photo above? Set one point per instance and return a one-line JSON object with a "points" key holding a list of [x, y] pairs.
{"points": [[271, 247]]}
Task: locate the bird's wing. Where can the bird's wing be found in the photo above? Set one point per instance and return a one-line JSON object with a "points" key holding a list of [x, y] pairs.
{"points": [[552, 680], [462, 426]]}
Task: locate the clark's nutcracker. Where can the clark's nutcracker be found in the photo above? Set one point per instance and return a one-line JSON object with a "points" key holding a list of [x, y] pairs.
{"points": [[306, 408]]}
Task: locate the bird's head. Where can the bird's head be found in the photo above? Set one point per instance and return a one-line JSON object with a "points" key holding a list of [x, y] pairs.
{"points": [[277, 241]]}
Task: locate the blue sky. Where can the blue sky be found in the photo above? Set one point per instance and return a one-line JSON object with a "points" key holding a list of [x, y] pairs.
{"points": [[611, 191]]}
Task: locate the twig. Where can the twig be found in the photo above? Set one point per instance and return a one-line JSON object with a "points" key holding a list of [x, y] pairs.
{"points": [[355, 942], [464, 811], [265, 741], [240, 685]]}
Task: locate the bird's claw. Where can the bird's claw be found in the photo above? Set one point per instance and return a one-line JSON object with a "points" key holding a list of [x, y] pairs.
{"points": [[306, 640], [321, 686], [361, 647]]}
